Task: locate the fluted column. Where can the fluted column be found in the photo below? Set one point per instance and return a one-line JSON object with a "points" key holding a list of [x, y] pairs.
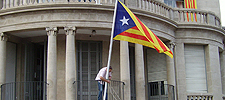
{"points": [[139, 72], [3, 39], [170, 70], [125, 68], [52, 63], [70, 63]]}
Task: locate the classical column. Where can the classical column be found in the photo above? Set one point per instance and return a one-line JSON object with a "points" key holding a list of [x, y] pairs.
{"points": [[3, 39], [52, 63], [171, 70], [125, 68], [70, 63], [139, 72]]}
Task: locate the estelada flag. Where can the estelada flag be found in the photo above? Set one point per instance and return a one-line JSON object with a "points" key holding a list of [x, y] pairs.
{"points": [[192, 4], [128, 27]]}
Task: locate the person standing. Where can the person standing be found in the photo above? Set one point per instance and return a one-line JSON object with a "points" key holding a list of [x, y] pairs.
{"points": [[101, 78]]}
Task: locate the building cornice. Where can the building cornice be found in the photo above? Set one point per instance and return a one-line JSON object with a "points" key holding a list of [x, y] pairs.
{"points": [[201, 26]]}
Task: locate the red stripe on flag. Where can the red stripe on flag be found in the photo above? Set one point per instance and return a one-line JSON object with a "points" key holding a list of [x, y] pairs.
{"points": [[189, 5], [195, 17], [157, 49], [170, 52], [146, 32], [194, 3], [195, 8], [134, 36], [161, 44], [187, 16], [186, 3], [148, 35]]}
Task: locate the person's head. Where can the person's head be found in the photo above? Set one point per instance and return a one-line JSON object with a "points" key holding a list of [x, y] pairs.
{"points": [[110, 68]]}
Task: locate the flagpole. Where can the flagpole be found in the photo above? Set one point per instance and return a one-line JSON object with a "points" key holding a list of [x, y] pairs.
{"points": [[110, 50]]}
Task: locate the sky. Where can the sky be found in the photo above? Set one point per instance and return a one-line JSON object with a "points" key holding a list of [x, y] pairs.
{"points": [[222, 9]]}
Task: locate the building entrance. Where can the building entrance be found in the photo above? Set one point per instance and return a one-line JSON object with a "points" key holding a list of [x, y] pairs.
{"points": [[25, 81], [35, 68], [89, 62]]}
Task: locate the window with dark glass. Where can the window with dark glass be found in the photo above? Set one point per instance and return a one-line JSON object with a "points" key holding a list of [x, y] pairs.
{"points": [[175, 3], [156, 88]]}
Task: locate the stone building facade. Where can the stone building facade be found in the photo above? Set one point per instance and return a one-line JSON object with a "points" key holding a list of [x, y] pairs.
{"points": [[61, 42]]}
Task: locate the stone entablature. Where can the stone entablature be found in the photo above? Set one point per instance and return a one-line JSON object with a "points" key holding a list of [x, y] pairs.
{"points": [[160, 18], [199, 36], [151, 6]]}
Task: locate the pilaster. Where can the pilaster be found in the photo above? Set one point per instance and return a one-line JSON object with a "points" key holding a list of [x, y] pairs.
{"points": [[222, 69], [213, 71], [180, 71]]}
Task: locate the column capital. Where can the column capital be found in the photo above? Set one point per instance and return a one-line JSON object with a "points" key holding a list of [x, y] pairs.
{"points": [[4, 37], [51, 31], [171, 45], [70, 28]]}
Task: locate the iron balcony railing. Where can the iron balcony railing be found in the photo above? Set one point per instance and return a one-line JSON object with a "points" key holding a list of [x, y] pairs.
{"points": [[160, 91], [85, 90], [32, 90], [88, 90]]}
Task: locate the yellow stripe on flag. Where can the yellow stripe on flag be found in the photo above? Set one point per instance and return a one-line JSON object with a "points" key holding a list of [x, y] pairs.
{"points": [[154, 40], [142, 35], [193, 5], [137, 32], [133, 40]]}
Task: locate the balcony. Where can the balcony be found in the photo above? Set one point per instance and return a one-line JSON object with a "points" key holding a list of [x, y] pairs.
{"points": [[88, 90], [84, 90], [181, 16], [160, 91], [153, 8], [33, 90]]}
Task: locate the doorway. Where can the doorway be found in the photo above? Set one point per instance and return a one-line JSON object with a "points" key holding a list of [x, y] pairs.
{"points": [[35, 68], [89, 61]]}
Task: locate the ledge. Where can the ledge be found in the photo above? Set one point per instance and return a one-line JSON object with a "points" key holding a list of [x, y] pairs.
{"points": [[54, 6], [200, 26]]}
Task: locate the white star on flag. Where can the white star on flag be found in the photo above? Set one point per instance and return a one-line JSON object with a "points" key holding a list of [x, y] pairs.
{"points": [[124, 20]]}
